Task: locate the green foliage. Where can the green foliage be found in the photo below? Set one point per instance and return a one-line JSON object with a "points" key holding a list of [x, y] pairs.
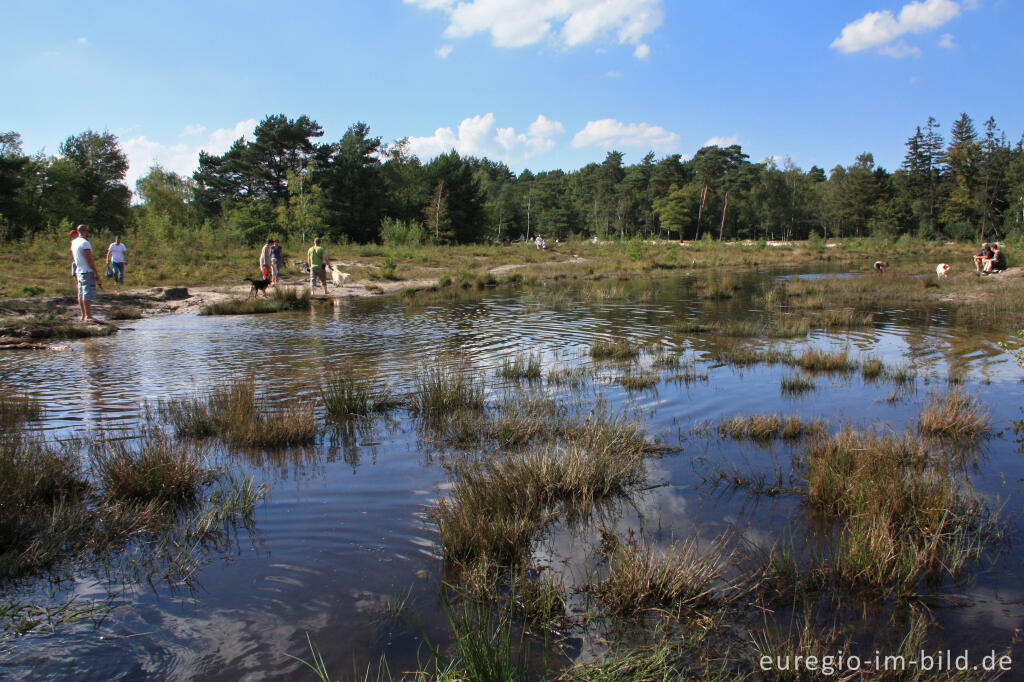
{"points": [[635, 248], [395, 232]]}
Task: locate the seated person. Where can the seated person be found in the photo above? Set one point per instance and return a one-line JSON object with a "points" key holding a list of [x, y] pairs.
{"points": [[982, 256], [997, 263]]}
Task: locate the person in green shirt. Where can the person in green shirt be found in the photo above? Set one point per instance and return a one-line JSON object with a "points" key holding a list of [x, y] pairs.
{"points": [[317, 261]]}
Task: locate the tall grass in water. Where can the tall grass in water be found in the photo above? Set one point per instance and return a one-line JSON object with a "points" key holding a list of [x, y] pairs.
{"points": [[152, 467], [523, 366], [764, 428], [498, 504], [345, 394], [601, 349], [280, 299], [796, 384], [444, 389], [682, 576], [903, 516], [955, 416], [17, 407], [817, 360], [236, 415]]}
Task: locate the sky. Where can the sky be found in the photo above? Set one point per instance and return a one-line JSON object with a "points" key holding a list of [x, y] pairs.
{"points": [[538, 84]]}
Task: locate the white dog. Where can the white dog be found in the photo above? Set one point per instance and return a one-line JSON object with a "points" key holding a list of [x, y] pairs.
{"points": [[339, 277], [942, 269]]}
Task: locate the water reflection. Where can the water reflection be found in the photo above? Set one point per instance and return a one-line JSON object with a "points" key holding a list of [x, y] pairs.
{"points": [[343, 527]]}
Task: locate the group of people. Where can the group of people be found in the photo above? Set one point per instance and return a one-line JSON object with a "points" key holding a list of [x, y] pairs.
{"points": [[83, 267], [991, 259], [270, 261]]}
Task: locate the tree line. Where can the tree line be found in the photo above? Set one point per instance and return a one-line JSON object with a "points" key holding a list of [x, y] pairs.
{"points": [[285, 181]]}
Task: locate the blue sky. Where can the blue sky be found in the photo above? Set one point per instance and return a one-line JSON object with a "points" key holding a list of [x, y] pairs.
{"points": [[539, 84]]}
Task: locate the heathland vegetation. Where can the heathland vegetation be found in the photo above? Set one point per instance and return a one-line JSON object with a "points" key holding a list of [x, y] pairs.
{"points": [[285, 182]]}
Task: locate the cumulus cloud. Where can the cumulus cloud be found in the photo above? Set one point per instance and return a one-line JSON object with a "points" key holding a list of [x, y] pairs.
{"points": [[722, 141], [567, 23], [608, 133], [181, 158], [478, 136], [899, 50], [444, 51], [946, 41], [882, 29], [642, 51]]}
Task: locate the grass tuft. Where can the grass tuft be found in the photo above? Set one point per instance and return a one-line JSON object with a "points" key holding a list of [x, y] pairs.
{"points": [[954, 416]]}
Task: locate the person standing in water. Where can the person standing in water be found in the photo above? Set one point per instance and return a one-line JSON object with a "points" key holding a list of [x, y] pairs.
{"points": [[116, 253], [85, 269]]}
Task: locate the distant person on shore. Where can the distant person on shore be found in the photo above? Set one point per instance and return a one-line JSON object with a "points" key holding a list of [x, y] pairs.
{"points": [[317, 262], [540, 242], [997, 263], [85, 272], [981, 257], [265, 260], [275, 261], [116, 253]]}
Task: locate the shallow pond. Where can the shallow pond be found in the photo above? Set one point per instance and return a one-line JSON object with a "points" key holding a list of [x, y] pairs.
{"points": [[343, 528]]}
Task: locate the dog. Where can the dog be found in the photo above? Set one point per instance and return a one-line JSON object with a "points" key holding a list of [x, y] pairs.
{"points": [[339, 277], [258, 286], [880, 266], [942, 270]]}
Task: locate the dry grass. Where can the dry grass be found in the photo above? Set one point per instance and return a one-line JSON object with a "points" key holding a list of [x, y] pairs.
{"points": [[238, 416], [955, 416], [150, 468], [638, 381], [444, 389], [523, 366], [764, 428], [345, 394], [817, 360], [601, 349], [681, 576]]}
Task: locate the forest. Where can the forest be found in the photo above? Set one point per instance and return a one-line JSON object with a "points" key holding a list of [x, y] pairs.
{"points": [[286, 182]]}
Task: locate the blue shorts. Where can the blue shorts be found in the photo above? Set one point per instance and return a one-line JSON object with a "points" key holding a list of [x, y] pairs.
{"points": [[86, 286]]}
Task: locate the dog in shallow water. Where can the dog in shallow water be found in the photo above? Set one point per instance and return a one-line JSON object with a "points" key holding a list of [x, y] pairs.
{"points": [[259, 286], [880, 266], [942, 270]]}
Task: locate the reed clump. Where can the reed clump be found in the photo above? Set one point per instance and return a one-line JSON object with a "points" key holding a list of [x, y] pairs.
{"points": [[744, 356], [524, 366], [796, 384], [817, 360], [638, 381], [281, 299], [238, 416], [955, 416], [765, 428], [872, 369], [497, 504], [346, 394], [572, 377], [903, 516], [683, 576], [601, 349], [445, 389], [150, 468], [17, 407]]}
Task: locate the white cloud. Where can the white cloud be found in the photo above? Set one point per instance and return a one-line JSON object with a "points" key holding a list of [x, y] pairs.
{"points": [[946, 41], [879, 29], [722, 141], [82, 41], [477, 136], [899, 49], [567, 23], [608, 133], [642, 51], [444, 51], [181, 158]]}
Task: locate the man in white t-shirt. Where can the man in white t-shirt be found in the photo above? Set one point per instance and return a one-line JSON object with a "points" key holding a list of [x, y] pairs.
{"points": [[85, 269], [116, 253]]}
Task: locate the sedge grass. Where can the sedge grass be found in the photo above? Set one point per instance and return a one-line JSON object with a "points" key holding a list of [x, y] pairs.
{"points": [[151, 467], [601, 349], [347, 394], [445, 389], [281, 299], [524, 366], [817, 360], [764, 428], [955, 416], [238, 416], [796, 384]]}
